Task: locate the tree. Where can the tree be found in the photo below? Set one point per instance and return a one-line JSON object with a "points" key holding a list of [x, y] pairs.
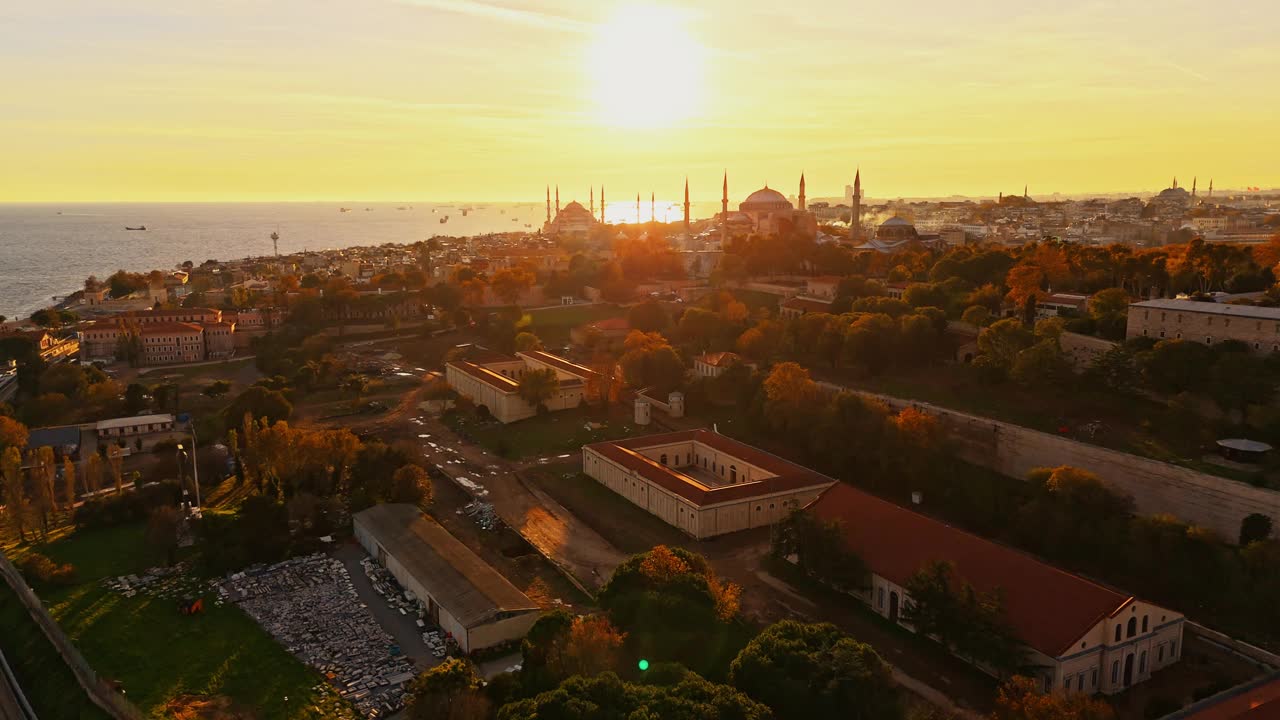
{"points": [[12, 433], [1025, 282], [135, 398], [1240, 379], [819, 549], [527, 341], [68, 483], [115, 461], [964, 620], [869, 341], [411, 484], [538, 386], [509, 284], [977, 316], [763, 342], [1043, 364], [649, 360], [15, 495], [1255, 528], [44, 495], [790, 396], [649, 316], [217, 389], [437, 693], [593, 645], [1002, 341], [1074, 515], [1175, 366], [809, 670], [66, 379], [699, 326], [92, 467], [163, 527], [1020, 699], [1110, 310], [357, 385], [606, 697], [257, 402]]}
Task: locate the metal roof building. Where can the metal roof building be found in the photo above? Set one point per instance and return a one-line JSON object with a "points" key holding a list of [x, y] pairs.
{"points": [[464, 595]]}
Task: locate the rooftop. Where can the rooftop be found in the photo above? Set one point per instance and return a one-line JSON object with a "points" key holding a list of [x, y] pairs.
{"points": [[1211, 308], [720, 359], [1050, 609], [460, 581], [560, 363], [133, 421], [486, 376], [788, 476]]}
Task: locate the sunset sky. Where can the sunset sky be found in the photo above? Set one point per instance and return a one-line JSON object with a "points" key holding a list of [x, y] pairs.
{"points": [[462, 99]]}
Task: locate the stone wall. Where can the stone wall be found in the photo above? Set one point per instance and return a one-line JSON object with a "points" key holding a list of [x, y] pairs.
{"points": [[1156, 487]]}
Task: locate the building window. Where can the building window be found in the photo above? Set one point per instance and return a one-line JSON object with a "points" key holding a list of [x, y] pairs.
{"points": [[1210, 322], [1117, 633], [880, 599], [733, 473], [1160, 653], [1093, 679], [1115, 672], [1142, 662], [1208, 340], [664, 458], [1144, 623], [1048, 683], [757, 508], [1173, 650], [1133, 627], [1161, 333], [1066, 683], [1080, 681]]}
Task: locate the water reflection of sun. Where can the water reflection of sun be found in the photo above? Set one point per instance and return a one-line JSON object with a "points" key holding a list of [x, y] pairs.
{"points": [[646, 68]]}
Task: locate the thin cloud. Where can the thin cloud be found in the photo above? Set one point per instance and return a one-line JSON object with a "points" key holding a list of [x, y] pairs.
{"points": [[518, 16]]}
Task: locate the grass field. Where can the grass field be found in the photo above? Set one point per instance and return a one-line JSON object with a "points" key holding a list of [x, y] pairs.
{"points": [[156, 653], [552, 325], [545, 435], [45, 679]]}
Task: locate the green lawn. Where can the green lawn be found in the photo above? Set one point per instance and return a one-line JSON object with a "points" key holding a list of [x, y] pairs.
{"points": [[553, 324], [555, 433], [625, 526], [158, 654], [47, 682]]}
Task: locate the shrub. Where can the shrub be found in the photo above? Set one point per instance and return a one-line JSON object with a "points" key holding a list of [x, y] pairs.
{"points": [[39, 569]]}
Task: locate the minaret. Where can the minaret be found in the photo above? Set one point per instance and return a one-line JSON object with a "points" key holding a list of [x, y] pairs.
{"points": [[637, 208], [653, 207], [802, 206], [1211, 188], [1193, 187], [557, 201], [593, 200], [686, 206], [601, 203], [1175, 181], [855, 207], [548, 203], [724, 211], [1025, 196]]}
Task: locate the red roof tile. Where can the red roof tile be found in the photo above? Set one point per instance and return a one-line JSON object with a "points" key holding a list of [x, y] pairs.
{"points": [[790, 476], [1050, 609], [486, 376], [720, 359], [559, 362]]}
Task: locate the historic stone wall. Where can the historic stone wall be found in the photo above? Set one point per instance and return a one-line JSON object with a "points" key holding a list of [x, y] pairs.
{"points": [[1156, 487]]}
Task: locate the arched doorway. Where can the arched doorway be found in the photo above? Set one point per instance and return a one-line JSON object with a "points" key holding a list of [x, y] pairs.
{"points": [[893, 606], [1128, 670]]}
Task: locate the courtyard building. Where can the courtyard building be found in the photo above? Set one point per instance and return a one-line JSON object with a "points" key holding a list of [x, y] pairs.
{"points": [[492, 380], [1082, 636], [701, 482]]}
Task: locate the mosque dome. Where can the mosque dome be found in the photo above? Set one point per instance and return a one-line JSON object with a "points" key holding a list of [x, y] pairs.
{"points": [[765, 199], [896, 229]]}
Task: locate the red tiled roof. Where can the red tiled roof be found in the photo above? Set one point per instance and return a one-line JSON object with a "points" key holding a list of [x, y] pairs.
{"points": [[720, 359], [170, 327], [481, 355], [790, 476], [618, 323], [559, 362], [1050, 609], [807, 304], [486, 376]]}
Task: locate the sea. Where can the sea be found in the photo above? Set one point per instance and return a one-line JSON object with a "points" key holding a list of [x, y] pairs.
{"points": [[47, 250]]}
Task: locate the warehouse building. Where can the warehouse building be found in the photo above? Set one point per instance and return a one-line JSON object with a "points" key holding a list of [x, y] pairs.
{"points": [[464, 595]]}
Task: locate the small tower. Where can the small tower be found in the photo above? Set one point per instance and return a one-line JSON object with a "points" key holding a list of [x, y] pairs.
{"points": [[643, 411], [593, 200], [1193, 187], [548, 204], [637, 208], [1210, 188], [686, 206], [724, 211], [275, 241], [1025, 196], [855, 206], [557, 200], [601, 203], [675, 404], [802, 204], [653, 207]]}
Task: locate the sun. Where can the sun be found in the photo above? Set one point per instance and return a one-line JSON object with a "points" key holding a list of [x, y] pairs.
{"points": [[646, 67]]}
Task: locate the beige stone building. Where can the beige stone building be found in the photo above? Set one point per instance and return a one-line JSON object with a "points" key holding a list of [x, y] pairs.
{"points": [[463, 594], [492, 379], [161, 337], [702, 482], [1082, 636], [1206, 322], [712, 365]]}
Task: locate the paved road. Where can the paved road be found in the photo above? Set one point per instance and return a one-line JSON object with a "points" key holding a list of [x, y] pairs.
{"points": [[557, 533], [401, 627], [10, 708]]}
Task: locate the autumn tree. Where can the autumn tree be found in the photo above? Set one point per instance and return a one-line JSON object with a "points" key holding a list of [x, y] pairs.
{"points": [[1020, 699], [688, 697], [536, 387], [68, 483], [526, 341], [1024, 282], [441, 692], [92, 469], [12, 433], [819, 549], [509, 284], [966, 621], [43, 477], [411, 484], [790, 396], [649, 360], [115, 461], [16, 503]]}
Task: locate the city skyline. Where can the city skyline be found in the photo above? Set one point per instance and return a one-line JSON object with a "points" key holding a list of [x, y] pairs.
{"points": [[482, 101]]}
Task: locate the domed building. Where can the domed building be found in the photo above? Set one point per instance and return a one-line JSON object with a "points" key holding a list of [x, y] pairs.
{"points": [[896, 230], [572, 220], [768, 212]]}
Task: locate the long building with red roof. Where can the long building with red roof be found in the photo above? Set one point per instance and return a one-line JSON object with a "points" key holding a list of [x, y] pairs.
{"points": [[701, 482], [1083, 636], [492, 379]]}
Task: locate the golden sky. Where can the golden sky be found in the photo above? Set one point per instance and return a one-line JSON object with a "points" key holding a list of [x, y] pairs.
{"points": [[491, 100]]}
